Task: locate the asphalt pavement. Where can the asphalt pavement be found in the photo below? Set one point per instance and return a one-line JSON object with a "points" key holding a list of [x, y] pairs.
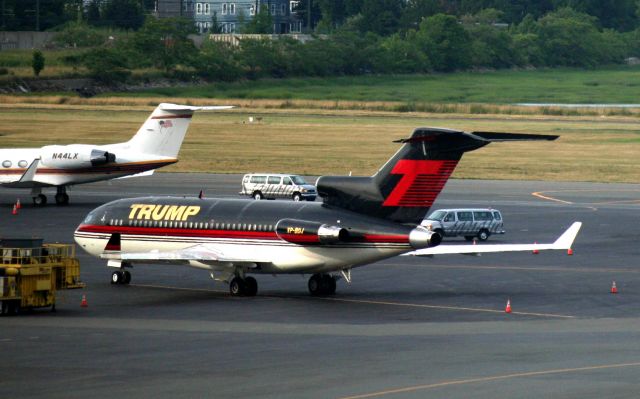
{"points": [[404, 328]]}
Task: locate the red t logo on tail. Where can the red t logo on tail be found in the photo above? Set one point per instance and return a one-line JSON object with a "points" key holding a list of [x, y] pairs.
{"points": [[421, 182]]}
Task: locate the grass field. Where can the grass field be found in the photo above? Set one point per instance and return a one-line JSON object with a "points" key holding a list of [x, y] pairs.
{"points": [[319, 142], [609, 85]]}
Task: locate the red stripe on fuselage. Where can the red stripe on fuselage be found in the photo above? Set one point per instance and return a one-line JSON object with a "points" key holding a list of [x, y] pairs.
{"points": [[234, 234]]}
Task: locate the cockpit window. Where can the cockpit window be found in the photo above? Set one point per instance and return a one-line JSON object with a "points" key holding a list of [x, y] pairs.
{"points": [[97, 216]]}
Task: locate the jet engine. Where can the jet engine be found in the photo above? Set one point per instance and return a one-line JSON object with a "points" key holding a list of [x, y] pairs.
{"points": [[422, 238], [74, 156], [305, 232]]}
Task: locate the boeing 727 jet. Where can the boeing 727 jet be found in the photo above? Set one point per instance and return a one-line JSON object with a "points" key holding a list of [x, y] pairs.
{"points": [[156, 144], [361, 220]]}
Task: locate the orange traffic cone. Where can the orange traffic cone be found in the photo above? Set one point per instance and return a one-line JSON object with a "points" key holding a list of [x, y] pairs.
{"points": [[614, 289], [475, 241], [15, 210], [18, 206], [535, 251], [508, 308], [83, 303], [569, 251]]}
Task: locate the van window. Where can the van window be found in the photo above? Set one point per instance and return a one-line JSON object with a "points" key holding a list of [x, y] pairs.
{"points": [[451, 217], [258, 179], [497, 215], [245, 179], [298, 180], [273, 180], [437, 215], [482, 216], [465, 216], [286, 181]]}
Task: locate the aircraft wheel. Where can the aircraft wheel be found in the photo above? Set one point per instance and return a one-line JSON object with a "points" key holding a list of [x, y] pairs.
{"points": [[40, 200], [62, 199], [237, 287], [251, 286], [315, 285], [126, 277], [117, 277], [328, 284]]}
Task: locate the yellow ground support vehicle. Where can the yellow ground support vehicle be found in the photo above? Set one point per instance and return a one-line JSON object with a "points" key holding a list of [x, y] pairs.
{"points": [[31, 272]]}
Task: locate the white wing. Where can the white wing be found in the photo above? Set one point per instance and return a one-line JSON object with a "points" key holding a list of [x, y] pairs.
{"points": [[563, 242], [201, 252]]}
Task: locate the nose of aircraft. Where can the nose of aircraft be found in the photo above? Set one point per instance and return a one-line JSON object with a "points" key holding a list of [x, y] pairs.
{"points": [[422, 238]]}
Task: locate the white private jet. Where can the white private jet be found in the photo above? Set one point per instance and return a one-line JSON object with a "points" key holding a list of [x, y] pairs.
{"points": [[156, 144]]}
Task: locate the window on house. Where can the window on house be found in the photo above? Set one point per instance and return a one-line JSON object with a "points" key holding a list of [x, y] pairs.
{"points": [[232, 8], [283, 9], [273, 9], [293, 5], [224, 8], [206, 8], [252, 10], [232, 27], [198, 8]]}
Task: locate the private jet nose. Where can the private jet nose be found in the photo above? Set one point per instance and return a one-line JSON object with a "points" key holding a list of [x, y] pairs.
{"points": [[422, 238]]}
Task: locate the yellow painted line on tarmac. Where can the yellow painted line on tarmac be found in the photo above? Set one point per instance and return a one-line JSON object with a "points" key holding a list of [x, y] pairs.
{"points": [[370, 302], [442, 307], [490, 379], [548, 198]]}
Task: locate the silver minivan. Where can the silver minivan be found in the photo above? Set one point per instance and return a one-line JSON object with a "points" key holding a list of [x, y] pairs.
{"points": [[470, 223], [274, 185]]}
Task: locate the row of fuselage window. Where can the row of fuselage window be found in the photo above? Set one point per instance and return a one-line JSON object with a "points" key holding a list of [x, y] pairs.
{"points": [[191, 225]]}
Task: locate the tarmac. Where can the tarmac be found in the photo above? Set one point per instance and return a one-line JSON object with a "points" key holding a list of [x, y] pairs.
{"points": [[404, 328]]}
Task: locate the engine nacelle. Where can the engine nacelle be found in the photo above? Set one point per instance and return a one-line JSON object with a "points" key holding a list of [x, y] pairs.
{"points": [[422, 238], [74, 156], [305, 232]]}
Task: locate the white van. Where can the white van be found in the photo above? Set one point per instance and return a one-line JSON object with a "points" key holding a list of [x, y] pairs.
{"points": [[470, 223], [272, 185]]}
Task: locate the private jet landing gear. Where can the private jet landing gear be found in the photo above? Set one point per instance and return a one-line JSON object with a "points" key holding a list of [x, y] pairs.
{"points": [[39, 199], [322, 284], [61, 196], [247, 286], [120, 277]]}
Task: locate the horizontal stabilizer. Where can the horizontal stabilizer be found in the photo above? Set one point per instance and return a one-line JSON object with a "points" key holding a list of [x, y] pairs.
{"points": [[177, 107], [495, 137], [563, 242]]}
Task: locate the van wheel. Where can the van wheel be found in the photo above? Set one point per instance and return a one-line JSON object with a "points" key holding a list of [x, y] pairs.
{"points": [[257, 196], [296, 197], [483, 235]]}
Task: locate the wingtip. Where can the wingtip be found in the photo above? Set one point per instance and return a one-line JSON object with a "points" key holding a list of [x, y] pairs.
{"points": [[566, 239]]}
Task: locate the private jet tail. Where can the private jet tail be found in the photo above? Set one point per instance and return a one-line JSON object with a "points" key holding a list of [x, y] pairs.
{"points": [[163, 132], [406, 186]]}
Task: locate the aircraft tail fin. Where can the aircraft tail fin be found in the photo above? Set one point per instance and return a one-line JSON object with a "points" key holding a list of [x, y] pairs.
{"points": [[164, 130], [406, 186]]}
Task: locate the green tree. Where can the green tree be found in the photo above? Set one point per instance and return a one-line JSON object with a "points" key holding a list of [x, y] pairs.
{"points": [[445, 42], [217, 61], [381, 17], [125, 14], [107, 65], [164, 43], [262, 22], [37, 62]]}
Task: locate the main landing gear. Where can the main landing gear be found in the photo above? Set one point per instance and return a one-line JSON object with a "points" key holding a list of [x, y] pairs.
{"points": [[322, 284], [247, 286], [61, 197], [120, 277]]}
